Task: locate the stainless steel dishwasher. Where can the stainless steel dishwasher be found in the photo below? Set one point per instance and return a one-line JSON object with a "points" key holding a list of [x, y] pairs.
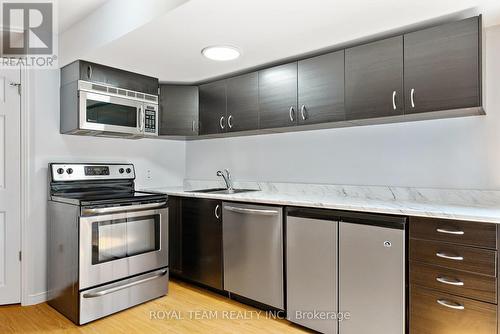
{"points": [[253, 252], [372, 273]]}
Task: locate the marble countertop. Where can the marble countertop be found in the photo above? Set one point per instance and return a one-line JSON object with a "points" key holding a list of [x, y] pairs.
{"points": [[471, 205]]}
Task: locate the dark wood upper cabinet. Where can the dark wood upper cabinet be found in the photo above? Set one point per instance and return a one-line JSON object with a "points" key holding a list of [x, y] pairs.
{"points": [[178, 110], [407, 77], [278, 96], [115, 77], [442, 67], [321, 89], [243, 102], [213, 106], [374, 79]]}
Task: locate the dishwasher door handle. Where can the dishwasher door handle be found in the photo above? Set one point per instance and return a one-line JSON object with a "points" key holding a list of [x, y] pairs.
{"points": [[252, 211]]}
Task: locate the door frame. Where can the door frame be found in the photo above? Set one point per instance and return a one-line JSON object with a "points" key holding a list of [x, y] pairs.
{"points": [[26, 298]]}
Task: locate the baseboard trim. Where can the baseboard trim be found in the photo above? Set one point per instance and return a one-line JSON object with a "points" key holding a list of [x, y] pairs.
{"points": [[36, 298]]}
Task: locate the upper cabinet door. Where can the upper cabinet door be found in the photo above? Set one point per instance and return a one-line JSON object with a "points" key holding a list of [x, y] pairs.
{"points": [[178, 110], [213, 108], [278, 96], [374, 79], [442, 67], [118, 78], [321, 89], [243, 102]]}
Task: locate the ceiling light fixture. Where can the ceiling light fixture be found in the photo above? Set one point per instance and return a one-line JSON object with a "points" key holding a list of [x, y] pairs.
{"points": [[221, 52]]}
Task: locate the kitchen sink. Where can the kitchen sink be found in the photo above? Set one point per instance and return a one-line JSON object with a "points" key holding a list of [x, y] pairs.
{"points": [[222, 191]]}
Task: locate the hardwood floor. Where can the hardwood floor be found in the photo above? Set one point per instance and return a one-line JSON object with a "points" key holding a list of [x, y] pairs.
{"points": [[186, 309]]}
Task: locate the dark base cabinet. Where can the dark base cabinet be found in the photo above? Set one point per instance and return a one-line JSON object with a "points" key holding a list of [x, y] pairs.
{"points": [[453, 277], [196, 240], [174, 236], [430, 316]]}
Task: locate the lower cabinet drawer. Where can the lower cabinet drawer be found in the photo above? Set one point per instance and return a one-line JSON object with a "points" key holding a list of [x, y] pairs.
{"points": [[433, 312], [475, 234], [456, 282], [475, 260]]}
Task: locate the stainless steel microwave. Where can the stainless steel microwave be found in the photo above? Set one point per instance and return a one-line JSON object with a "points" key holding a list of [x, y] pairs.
{"points": [[109, 111]]}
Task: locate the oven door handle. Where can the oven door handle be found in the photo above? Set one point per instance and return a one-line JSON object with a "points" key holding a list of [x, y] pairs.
{"points": [[87, 212], [104, 292]]}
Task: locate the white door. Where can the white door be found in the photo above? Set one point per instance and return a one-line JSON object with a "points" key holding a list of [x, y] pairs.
{"points": [[10, 187]]}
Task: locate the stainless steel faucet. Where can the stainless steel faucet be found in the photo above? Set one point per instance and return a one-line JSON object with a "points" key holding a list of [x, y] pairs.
{"points": [[227, 178]]}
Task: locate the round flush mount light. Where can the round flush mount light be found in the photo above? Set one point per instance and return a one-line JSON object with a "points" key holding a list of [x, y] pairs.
{"points": [[221, 52]]}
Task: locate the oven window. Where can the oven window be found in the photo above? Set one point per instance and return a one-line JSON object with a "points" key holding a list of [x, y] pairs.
{"points": [[111, 114], [118, 239]]}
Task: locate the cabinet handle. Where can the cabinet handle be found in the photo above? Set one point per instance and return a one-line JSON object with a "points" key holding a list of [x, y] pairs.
{"points": [[452, 305], [412, 97], [450, 281], [216, 211], [291, 114], [89, 72], [221, 123], [229, 123], [193, 124], [450, 257], [445, 231], [394, 100], [303, 112]]}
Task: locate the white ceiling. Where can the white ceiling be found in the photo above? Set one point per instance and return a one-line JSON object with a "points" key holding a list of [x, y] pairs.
{"points": [[267, 31], [73, 11]]}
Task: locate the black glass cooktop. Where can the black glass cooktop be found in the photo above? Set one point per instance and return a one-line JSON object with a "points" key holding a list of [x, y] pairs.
{"points": [[115, 197]]}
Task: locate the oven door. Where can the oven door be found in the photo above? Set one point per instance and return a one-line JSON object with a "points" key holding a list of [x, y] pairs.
{"points": [[117, 246], [99, 112]]}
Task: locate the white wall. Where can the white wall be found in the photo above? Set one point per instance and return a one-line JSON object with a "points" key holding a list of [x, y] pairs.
{"points": [[165, 160], [450, 153]]}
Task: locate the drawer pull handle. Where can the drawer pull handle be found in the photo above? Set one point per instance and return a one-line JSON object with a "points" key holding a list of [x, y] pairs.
{"points": [[456, 232], [450, 257], [452, 305], [450, 281]]}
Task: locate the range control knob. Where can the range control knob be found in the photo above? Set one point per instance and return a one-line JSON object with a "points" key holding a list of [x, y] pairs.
{"points": [[60, 171], [129, 170], [69, 171], [121, 170]]}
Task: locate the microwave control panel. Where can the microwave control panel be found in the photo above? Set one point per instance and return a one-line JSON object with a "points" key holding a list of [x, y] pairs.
{"points": [[151, 119]]}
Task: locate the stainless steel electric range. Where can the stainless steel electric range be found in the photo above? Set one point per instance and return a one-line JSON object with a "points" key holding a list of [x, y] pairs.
{"points": [[107, 243]]}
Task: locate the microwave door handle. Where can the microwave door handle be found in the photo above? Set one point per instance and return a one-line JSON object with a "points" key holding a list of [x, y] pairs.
{"points": [[141, 118]]}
